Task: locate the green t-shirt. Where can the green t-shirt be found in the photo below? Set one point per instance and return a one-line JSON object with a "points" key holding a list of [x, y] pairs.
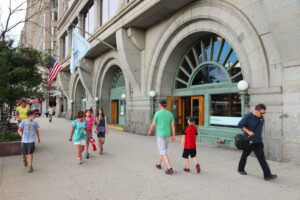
{"points": [[163, 120]]}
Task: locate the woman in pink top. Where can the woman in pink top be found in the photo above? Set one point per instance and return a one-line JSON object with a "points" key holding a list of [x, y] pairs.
{"points": [[89, 129]]}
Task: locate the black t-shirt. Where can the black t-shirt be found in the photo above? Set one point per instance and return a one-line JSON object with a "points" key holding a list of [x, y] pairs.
{"points": [[254, 124]]}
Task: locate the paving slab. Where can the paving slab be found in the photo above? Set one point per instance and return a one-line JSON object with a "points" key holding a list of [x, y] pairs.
{"points": [[126, 172]]}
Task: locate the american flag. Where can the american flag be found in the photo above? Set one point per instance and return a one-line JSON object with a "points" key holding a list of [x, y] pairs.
{"points": [[53, 71]]}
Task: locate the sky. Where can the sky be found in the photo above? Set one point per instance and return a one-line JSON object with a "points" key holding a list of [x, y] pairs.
{"points": [[4, 5]]}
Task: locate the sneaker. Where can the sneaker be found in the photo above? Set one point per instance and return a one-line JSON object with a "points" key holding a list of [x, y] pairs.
{"points": [[169, 171], [186, 170], [25, 163], [271, 177], [30, 169], [87, 155], [242, 172], [198, 169], [158, 166]]}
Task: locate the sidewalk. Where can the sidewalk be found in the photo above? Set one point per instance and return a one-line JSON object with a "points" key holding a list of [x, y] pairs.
{"points": [[126, 172]]}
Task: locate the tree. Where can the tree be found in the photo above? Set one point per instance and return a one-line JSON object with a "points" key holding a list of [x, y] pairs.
{"points": [[20, 76], [37, 5]]}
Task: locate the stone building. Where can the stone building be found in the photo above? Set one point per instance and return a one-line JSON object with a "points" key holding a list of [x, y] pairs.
{"points": [[192, 53], [40, 31]]}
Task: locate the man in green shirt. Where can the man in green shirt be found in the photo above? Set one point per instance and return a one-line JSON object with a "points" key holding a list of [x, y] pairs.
{"points": [[164, 123]]}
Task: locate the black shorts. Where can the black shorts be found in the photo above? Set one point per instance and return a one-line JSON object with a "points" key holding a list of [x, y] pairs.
{"points": [[189, 152], [101, 134], [27, 148]]}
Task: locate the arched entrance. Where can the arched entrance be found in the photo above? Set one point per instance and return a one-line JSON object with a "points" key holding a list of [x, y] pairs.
{"points": [[205, 87], [80, 98], [113, 87]]}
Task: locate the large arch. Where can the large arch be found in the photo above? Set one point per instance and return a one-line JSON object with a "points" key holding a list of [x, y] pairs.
{"points": [[109, 68], [108, 61], [77, 94], [187, 26]]}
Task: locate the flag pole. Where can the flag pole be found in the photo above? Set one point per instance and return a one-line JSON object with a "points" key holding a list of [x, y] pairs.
{"points": [[107, 44]]}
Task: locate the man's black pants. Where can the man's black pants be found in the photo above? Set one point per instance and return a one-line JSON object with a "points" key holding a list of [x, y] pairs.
{"points": [[260, 155]]}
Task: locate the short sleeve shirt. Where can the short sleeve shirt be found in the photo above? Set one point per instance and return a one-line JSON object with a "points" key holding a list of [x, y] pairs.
{"points": [[79, 130], [163, 120], [190, 137], [29, 130], [22, 112], [89, 124]]}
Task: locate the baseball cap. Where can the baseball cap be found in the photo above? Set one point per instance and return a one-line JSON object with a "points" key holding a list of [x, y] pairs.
{"points": [[163, 102]]}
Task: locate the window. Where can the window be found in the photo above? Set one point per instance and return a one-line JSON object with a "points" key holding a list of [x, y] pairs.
{"points": [[216, 59], [225, 109], [53, 45], [89, 21], [64, 47], [53, 30], [109, 9], [54, 16], [54, 3], [210, 74]]}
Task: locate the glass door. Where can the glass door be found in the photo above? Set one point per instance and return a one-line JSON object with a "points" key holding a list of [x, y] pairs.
{"points": [[174, 104], [197, 109]]}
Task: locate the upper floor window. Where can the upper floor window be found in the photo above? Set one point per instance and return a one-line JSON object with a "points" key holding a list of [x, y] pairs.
{"points": [[64, 47], [89, 21], [54, 16], [54, 3], [108, 9], [53, 30]]}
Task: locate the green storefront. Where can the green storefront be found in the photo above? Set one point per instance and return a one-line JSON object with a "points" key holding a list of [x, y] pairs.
{"points": [[205, 87]]}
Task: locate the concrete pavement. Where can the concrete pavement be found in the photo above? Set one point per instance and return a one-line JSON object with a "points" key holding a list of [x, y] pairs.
{"points": [[126, 172]]}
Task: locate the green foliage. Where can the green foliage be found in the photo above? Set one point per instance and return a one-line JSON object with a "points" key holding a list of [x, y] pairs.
{"points": [[9, 137], [20, 72]]}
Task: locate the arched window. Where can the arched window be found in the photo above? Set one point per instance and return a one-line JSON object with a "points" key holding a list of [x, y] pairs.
{"points": [[118, 80], [209, 61]]}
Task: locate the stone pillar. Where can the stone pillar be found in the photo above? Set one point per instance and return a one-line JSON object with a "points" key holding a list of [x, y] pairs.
{"points": [[97, 14]]}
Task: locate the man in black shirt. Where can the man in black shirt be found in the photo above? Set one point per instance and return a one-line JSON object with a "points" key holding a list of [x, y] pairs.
{"points": [[252, 126]]}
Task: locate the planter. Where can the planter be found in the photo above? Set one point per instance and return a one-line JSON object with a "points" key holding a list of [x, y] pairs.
{"points": [[10, 148]]}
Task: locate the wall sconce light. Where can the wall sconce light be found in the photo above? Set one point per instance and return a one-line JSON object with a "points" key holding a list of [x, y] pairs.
{"points": [[152, 94]]}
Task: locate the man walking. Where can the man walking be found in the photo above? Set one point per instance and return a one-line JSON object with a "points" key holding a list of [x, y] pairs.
{"points": [[252, 126], [163, 121], [50, 112]]}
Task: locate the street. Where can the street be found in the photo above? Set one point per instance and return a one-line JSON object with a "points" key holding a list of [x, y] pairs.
{"points": [[126, 171]]}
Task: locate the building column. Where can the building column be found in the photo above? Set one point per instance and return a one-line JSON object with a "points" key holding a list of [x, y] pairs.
{"points": [[97, 14]]}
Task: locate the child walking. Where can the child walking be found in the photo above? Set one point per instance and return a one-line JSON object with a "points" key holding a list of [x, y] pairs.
{"points": [[189, 145], [78, 135], [101, 129], [28, 130], [89, 119]]}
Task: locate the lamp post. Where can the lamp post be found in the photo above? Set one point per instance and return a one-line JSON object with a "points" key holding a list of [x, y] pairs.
{"points": [[152, 95], [71, 106], [243, 86]]}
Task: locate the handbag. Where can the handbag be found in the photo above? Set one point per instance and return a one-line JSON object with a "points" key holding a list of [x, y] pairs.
{"points": [[241, 141]]}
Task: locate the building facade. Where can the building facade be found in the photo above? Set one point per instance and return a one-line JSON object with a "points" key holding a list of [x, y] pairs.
{"points": [[192, 53], [40, 32]]}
